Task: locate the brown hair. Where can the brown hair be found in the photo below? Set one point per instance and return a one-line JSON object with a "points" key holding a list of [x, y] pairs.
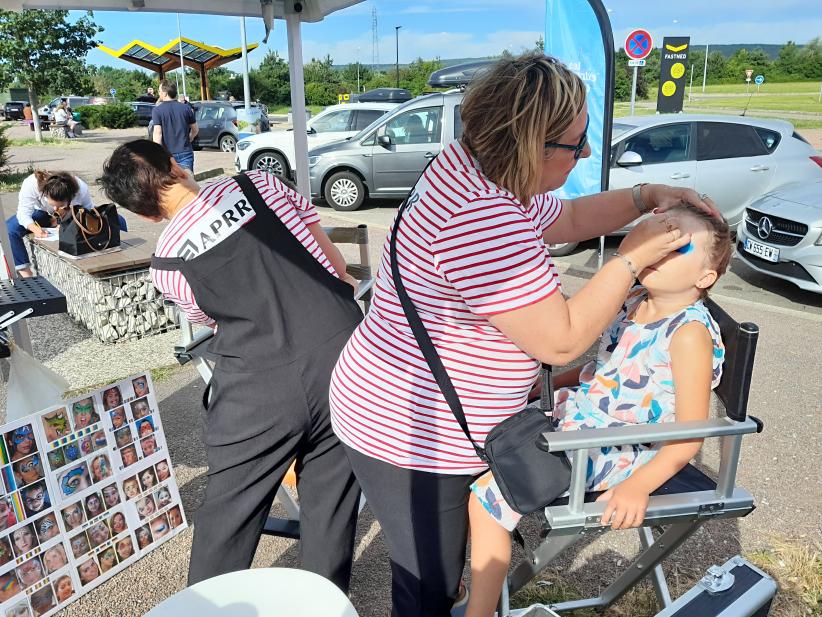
{"points": [[59, 186], [136, 175], [169, 87], [511, 110], [721, 249]]}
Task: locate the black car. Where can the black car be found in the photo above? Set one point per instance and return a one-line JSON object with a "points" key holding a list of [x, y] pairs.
{"points": [[143, 112], [13, 110]]}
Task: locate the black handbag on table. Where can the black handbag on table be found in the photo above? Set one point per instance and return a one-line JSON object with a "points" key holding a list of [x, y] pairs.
{"points": [[84, 231], [529, 478]]}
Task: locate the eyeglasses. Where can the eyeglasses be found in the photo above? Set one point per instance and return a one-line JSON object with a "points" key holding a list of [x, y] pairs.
{"points": [[577, 150]]}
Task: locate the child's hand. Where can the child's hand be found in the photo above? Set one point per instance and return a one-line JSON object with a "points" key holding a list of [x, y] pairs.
{"points": [[626, 506]]}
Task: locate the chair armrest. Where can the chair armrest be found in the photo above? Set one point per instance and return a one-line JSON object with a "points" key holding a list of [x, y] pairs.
{"points": [[364, 288], [200, 336], [643, 433]]}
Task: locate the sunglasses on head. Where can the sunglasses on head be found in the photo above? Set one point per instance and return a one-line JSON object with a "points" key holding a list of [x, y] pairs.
{"points": [[578, 149]]}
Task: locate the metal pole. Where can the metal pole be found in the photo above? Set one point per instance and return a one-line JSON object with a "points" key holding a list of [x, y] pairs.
{"points": [[295, 70], [397, 34], [705, 71], [633, 90], [691, 86], [182, 63], [246, 86]]}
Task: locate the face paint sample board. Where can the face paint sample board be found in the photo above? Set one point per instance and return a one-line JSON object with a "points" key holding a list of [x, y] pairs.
{"points": [[86, 489]]}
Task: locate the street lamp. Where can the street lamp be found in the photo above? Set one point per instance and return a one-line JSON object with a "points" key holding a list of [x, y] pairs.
{"points": [[397, 35]]}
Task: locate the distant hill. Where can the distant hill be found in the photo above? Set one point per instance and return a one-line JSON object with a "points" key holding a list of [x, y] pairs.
{"points": [[725, 50]]}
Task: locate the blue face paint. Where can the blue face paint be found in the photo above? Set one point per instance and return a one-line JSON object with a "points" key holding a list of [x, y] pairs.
{"points": [[686, 249]]}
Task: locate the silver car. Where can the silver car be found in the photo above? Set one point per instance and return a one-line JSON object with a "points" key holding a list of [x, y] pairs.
{"points": [[781, 235], [385, 159]]}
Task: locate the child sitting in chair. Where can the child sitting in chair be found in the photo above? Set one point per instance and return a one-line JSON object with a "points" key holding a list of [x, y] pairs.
{"points": [[658, 362]]}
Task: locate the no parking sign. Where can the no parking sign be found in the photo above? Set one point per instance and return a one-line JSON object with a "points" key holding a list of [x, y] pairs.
{"points": [[639, 44]]}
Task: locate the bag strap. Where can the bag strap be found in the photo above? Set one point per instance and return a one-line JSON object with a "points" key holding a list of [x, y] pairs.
{"points": [[430, 354], [86, 232]]}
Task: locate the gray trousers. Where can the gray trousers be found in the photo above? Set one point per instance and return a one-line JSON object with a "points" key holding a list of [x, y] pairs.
{"points": [[257, 423]]}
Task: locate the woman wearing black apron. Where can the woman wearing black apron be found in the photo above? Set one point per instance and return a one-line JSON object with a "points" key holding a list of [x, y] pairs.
{"points": [[265, 275]]}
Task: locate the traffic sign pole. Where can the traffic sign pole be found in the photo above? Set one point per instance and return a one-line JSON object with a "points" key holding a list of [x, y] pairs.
{"points": [[638, 45]]}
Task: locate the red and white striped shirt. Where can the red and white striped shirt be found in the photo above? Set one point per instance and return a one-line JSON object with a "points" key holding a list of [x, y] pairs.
{"points": [[467, 249], [219, 210]]}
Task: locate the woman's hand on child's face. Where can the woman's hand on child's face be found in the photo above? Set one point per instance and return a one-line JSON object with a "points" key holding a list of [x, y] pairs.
{"points": [[626, 506]]}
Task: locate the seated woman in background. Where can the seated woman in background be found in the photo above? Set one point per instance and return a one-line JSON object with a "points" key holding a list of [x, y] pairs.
{"points": [[43, 195]]}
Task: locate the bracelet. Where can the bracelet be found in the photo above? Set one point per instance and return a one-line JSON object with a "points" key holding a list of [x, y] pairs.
{"points": [[638, 201], [628, 263]]}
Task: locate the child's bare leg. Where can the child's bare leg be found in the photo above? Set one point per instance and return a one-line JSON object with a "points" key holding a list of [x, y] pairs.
{"points": [[490, 557]]}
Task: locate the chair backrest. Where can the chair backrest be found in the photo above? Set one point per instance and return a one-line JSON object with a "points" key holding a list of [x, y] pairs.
{"points": [[361, 271], [740, 348]]}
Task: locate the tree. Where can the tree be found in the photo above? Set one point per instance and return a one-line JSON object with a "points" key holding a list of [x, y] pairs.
{"points": [[42, 50], [129, 83], [811, 55], [270, 82], [415, 76], [788, 63]]}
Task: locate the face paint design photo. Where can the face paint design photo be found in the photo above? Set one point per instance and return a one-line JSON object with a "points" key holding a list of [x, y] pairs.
{"points": [[84, 414], [111, 496], [160, 526], [112, 398], [56, 424], [94, 505], [140, 385], [140, 409], [56, 459], [55, 558], [5, 551], [163, 471], [24, 540], [125, 549], [21, 442], [46, 527], [64, 588], [9, 587], [118, 523], [100, 468], [79, 545], [74, 480], [28, 470], [71, 451], [7, 516], [73, 516], [35, 498], [118, 417], [175, 517]]}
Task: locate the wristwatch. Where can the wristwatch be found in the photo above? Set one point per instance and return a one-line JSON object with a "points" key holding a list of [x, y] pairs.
{"points": [[638, 202]]}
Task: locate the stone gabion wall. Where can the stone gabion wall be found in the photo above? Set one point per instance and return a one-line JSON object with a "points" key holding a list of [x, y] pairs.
{"points": [[117, 307]]}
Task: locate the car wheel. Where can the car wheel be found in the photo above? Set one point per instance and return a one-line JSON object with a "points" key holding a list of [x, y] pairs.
{"points": [[561, 250], [270, 162], [344, 191], [228, 143]]}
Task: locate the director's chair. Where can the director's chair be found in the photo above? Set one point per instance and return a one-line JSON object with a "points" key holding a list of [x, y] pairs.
{"points": [[677, 509], [193, 347]]}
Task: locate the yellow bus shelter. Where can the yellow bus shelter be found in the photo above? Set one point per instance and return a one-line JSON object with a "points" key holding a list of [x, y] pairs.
{"points": [[197, 55]]}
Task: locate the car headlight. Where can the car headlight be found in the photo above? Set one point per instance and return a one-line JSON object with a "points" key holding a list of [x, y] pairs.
{"points": [[313, 160], [242, 145]]}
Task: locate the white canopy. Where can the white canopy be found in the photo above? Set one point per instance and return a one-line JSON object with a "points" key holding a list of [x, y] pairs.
{"points": [[292, 11]]}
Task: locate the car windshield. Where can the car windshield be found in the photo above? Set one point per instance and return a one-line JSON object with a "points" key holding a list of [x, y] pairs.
{"points": [[382, 119], [620, 129]]}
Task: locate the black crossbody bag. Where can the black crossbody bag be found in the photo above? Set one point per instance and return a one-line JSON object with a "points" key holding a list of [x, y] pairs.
{"points": [[529, 478]]}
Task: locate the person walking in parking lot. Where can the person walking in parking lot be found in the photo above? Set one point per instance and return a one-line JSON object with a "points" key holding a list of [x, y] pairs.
{"points": [[174, 125]]}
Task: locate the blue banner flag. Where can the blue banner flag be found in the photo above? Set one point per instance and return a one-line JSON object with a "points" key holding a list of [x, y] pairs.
{"points": [[578, 32]]}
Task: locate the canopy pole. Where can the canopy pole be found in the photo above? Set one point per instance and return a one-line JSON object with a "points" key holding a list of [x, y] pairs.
{"points": [[246, 86], [182, 63], [295, 70]]}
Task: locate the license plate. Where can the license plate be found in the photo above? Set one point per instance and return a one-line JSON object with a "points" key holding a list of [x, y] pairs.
{"points": [[762, 250]]}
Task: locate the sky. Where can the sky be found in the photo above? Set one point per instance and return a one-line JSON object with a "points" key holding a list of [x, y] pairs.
{"points": [[467, 28]]}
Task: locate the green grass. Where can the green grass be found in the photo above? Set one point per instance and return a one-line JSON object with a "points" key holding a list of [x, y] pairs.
{"points": [[47, 141], [10, 180], [794, 103], [772, 88], [284, 109]]}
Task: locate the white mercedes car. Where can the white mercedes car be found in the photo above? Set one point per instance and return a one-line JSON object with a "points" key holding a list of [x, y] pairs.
{"points": [[781, 235], [274, 151]]}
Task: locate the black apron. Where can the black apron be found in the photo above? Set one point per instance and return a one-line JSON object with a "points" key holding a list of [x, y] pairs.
{"points": [[272, 300]]}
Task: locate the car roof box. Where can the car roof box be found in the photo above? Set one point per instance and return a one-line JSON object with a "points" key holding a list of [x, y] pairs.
{"points": [[458, 75], [384, 95]]}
